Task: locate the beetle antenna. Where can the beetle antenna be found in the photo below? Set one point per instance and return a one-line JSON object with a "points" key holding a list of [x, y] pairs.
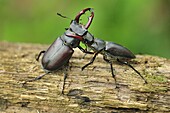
{"points": [[63, 16]]}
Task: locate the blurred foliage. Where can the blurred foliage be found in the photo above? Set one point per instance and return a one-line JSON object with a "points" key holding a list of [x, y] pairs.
{"points": [[143, 26]]}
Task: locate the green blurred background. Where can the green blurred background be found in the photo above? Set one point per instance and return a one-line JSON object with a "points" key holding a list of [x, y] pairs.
{"points": [[143, 26]]}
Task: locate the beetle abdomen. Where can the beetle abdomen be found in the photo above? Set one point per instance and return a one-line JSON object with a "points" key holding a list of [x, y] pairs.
{"points": [[56, 55], [117, 50]]}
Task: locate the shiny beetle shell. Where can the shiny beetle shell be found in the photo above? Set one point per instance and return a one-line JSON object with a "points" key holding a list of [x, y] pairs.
{"points": [[56, 56], [111, 49], [118, 50]]}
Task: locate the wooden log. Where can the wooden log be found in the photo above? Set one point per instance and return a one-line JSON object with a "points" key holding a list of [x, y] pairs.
{"points": [[91, 90]]}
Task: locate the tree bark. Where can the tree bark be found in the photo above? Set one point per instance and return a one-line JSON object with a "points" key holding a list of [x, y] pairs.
{"points": [[90, 90]]}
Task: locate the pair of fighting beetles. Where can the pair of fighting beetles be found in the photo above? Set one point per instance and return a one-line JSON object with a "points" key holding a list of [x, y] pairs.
{"points": [[60, 52]]}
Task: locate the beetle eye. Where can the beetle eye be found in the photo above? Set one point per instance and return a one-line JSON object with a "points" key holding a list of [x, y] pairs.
{"points": [[86, 41]]}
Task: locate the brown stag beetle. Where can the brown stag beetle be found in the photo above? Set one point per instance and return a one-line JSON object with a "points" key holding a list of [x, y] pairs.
{"points": [[59, 53]]}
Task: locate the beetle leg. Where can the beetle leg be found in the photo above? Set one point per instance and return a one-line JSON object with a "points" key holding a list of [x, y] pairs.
{"points": [[66, 66], [64, 80], [126, 63], [92, 60], [85, 50], [39, 55], [111, 67], [36, 78]]}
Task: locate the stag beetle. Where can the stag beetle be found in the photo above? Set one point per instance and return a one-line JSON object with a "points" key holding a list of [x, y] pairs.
{"points": [[110, 51], [61, 50]]}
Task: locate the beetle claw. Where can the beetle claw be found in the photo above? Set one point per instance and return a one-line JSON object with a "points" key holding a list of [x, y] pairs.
{"points": [[90, 18]]}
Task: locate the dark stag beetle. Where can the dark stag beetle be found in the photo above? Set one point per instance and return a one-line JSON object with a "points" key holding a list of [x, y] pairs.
{"points": [[110, 51], [59, 53]]}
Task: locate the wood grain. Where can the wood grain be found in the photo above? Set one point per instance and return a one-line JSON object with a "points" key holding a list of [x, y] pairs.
{"points": [[91, 90]]}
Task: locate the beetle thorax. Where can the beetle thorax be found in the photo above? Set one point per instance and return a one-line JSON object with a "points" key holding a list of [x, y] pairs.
{"points": [[69, 41], [98, 44]]}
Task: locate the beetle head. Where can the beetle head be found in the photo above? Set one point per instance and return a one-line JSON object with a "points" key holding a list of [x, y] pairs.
{"points": [[77, 28]]}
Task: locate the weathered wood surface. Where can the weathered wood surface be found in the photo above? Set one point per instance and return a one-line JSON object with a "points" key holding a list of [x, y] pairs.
{"points": [[93, 90]]}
